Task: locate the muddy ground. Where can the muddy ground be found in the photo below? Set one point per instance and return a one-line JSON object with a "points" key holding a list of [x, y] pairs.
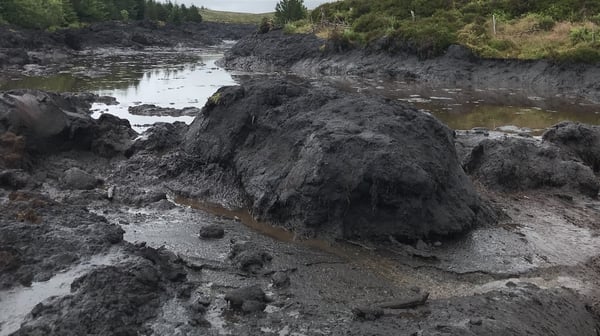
{"points": [[104, 232], [309, 56]]}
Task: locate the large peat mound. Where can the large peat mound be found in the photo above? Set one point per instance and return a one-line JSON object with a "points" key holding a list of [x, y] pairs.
{"points": [[319, 160]]}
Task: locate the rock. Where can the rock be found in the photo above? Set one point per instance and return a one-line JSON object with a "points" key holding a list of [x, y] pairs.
{"points": [[252, 306], [248, 256], [52, 122], [280, 279], [63, 230], [513, 164], [367, 313], [32, 113], [213, 231], [581, 140], [204, 301], [75, 178], [153, 110], [163, 205], [121, 299], [200, 321], [14, 179], [169, 265], [247, 299], [115, 136], [159, 138], [10, 259], [322, 161]]}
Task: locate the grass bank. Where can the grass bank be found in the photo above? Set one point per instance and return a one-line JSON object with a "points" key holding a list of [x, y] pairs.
{"points": [[232, 17], [492, 29]]}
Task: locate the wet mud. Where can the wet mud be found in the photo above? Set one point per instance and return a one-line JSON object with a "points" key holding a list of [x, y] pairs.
{"points": [[105, 234]]}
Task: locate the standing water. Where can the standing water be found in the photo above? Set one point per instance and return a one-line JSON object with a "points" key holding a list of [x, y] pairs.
{"points": [[165, 78], [173, 78]]}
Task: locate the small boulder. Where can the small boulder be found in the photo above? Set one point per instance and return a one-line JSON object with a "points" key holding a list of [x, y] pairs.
{"points": [[367, 313], [248, 256], [280, 279], [579, 139], [75, 178], [247, 299], [212, 232], [513, 164]]}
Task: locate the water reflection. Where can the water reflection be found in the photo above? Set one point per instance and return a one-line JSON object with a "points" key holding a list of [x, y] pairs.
{"points": [[178, 79], [166, 79], [466, 109]]}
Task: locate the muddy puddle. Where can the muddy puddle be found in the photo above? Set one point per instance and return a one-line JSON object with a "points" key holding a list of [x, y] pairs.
{"points": [[482, 261], [187, 78], [16, 303], [165, 78], [491, 108]]}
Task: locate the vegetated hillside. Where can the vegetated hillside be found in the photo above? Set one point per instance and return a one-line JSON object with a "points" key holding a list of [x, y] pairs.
{"points": [[533, 29], [210, 15], [52, 14]]}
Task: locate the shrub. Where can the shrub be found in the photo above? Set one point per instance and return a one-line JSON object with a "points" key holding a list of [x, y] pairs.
{"points": [[582, 54], [501, 45], [371, 22], [344, 40], [265, 25], [545, 23], [430, 37], [578, 35]]}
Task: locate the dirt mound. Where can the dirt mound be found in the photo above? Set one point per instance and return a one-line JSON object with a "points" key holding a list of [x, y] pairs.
{"points": [[579, 139], [47, 236], [111, 300], [262, 52], [512, 164], [148, 33], [50, 122], [309, 56], [324, 161]]}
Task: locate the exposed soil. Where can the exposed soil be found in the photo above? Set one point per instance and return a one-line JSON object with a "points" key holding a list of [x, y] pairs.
{"points": [[107, 232], [40, 52], [307, 55]]}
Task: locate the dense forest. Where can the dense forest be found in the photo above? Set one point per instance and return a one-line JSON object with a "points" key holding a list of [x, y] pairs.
{"points": [[44, 14], [532, 29]]}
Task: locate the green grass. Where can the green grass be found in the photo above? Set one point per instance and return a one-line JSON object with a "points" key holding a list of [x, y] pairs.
{"points": [[210, 15], [559, 30]]}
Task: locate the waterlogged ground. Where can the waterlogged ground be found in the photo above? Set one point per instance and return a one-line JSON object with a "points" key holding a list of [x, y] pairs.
{"points": [[187, 78], [539, 243], [162, 77], [544, 239], [489, 108]]}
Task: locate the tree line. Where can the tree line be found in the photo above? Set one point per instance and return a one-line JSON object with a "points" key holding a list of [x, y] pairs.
{"points": [[44, 14]]}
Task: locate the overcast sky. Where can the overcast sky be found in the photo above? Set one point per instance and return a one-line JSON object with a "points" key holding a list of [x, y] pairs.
{"points": [[249, 6]]}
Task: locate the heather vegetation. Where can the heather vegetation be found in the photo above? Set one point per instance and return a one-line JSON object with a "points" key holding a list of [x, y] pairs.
{"points": [[564, 30], [52, 14]]}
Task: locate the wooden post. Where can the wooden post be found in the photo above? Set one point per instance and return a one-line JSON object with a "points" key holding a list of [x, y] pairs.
{"points": [[412, 13], [494, 23]]}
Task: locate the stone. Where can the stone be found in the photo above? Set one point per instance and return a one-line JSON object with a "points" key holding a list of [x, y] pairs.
{"points": [[75, 178], [213, 231]]}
